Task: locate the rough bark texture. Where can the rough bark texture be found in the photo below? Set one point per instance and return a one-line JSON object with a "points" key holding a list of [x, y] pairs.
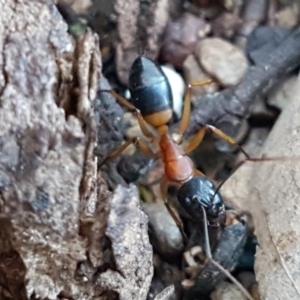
{"points": [[62, 234], [140, 27], [270, 191]]}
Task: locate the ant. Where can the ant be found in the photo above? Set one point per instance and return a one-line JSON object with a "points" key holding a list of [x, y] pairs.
{"points": [[152, 103]]}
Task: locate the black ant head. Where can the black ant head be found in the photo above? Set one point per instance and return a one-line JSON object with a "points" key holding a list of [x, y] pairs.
{"points": [[200, 192]]}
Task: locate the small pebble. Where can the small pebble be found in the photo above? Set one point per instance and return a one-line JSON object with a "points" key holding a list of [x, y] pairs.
{"points": [[194, 73], [227, 291], [165, 235], [187, 283], [166, 293], [287, 18], [181, 37], [222, 60], [134, 128], [226, 25]]}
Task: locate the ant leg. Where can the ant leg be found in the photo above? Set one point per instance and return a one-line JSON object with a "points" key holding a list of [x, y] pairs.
{"points": [[143, 125], [216, 264], [221, 135], [136, 141], [164, 191], [187, 106], [198, 173], [196, 141], [198, 138]]}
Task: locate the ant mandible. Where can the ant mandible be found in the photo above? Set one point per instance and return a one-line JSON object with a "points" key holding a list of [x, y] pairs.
{"points": [[152, 103]]}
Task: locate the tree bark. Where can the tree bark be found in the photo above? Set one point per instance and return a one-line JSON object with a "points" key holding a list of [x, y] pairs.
{"points": [[63, 235]]}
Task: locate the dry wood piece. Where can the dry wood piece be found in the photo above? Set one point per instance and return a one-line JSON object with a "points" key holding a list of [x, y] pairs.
{"points": [[270, 191]]}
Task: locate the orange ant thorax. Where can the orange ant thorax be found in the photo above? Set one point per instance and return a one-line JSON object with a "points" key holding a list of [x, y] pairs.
{"points": [[170, 149], [179, 168]]}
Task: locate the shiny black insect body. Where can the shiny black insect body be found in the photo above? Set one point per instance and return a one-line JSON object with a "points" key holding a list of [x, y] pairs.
{"points": [[151, 101], [149, 87], [204, 204], [200, 191]]}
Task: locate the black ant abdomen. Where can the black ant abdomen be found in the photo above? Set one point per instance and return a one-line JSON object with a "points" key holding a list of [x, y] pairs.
{"points": [[149, 87]]}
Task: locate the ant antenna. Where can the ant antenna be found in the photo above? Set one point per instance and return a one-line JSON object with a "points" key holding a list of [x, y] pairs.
{"points": [[248, 158], [206, 235], [225, 179], [217, 265]]}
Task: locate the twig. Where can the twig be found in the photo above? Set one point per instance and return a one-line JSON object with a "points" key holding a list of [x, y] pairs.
{"points": [[234, 103]]}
